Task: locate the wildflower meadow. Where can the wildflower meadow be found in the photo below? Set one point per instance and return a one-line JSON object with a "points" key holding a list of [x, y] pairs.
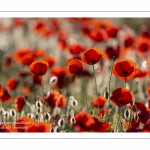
{"points": [[74, 75]]}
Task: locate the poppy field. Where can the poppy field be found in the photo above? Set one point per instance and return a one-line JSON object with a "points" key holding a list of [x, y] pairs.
{"points": [[74, 75]]}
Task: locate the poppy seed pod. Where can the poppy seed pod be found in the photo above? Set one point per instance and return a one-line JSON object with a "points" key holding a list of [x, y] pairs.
{"points": [[126, 114], [61, 122], [136, 117], [53, 80], [12, 113], [72, 120], [38, 104]]}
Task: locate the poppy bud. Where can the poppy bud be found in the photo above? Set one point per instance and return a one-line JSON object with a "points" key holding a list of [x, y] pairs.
{"points": [[91, 112], [6, 115], [12, 113], [106, 93], [52, 130], [38, 104], [56, 129], [30, 115], [126, 114], [136, 117], [47, 116], [72, 120], [2, 111], [132, 103], [72, 113], [61, 122], [53, 80], [39, 110], [37, 117], [74, 102]]}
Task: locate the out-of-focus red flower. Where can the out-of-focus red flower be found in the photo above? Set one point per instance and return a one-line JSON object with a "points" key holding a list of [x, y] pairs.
{"points": [[122, 96], [26, 90], [75, 49], [42, 29], [124, 68], [4, 95], [75, 67], [22, 124], [39, 127], [63, 76], [86, 122], [55, 98], [112, 31], [23, 56], [50, 60], [146, 126], [128, 41], [111, 51], [142, 112], [39, 53], [19, 103], [92, 56], [39, 68], [12, 84], [7, 62], [103, 111], [99, 101], [142, 45], [18, 22]]}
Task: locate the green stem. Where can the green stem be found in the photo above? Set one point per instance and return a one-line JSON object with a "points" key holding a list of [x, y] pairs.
{"points": [[95, 82], [83, 86], [42, 87]]}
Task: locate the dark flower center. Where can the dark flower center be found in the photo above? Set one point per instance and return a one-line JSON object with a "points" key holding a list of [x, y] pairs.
{"points": [[125, 73], [40, 73], [121, 101]]}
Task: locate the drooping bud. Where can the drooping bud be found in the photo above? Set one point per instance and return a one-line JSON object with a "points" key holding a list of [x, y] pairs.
{"points": [[39, 110], [30, 115], [127, 113], [74, 102], [132, 103], [91, 112], [114, 58], [52, 130], [47, 116]]}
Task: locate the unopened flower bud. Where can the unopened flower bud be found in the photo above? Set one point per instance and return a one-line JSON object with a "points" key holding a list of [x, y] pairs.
{"points": [[47, 116], [56, 129], [39, 110], [126, 114], [132, 103], [61, 122], [136, 117], [106, 94], [38, 104], [74, 102], [12, 113], [53, 80], [72, 120]]}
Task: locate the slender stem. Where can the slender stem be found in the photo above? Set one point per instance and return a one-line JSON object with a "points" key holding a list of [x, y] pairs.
{"points": [[95, 82], [83, 86], [109, 85], [42, 92], [125, 82]]}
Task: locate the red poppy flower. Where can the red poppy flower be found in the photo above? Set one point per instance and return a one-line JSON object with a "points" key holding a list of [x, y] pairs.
{"points": [[39, 127], [124, 68], [86, 122], [128, 42], [4, 95], [22, 124], [38, 68], [12, 83], [99, 101], [122, 96], [50, 60], [19, 103], [112, 31], [75, 67], [142, 45], [63, 76], [96, 35], [23, 56], [38, 53], [92, 56], [18, 22], [75, 49], [54, 98], [103, 111], [147, 126]]}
